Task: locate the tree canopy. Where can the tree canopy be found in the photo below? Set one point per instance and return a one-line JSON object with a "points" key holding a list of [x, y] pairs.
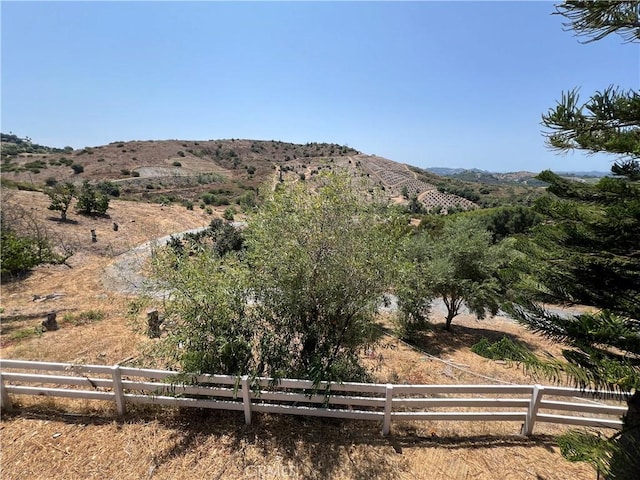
{"points": [[299, 301], [321, 259], [587, 249], [459, 264]]}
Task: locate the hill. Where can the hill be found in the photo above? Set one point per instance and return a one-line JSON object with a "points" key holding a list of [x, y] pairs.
{"points": [[231, 171]]}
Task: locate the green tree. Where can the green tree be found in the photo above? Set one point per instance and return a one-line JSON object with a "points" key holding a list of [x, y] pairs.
{"points": [[586, 251], [413, 284], [322, 260], [464, 267], [209, 306], [299, 301], [91, 201], [61, 196]]}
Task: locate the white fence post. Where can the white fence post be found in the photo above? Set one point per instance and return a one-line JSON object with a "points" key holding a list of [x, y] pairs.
{"points": [[5, 401], [530, 420], [246, 399], [386, 424], [117, 389]]}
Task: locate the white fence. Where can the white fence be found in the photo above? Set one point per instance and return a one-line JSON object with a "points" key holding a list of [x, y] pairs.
{"points": [[527, 404]]}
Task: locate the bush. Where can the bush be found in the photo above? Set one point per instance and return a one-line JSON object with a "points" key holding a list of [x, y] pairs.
{"points": [[176, 164], [108, 188], [90, 201], [125, 171], [20, 252], [503, 349], [228, 214], [208, 198], [77, 168]]}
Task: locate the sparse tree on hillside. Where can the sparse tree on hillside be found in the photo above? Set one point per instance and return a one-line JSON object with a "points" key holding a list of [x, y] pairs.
{"points": [[26, 242], [61, 196], [91, 201]]}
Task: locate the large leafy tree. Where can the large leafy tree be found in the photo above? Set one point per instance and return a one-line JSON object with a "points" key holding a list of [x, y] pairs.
{"points": [[459, 265], [299, 301], [321, 257], [588, 249]]}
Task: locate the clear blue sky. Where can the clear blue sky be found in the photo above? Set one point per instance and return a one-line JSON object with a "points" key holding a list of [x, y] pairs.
{"points": [[460, 84]]}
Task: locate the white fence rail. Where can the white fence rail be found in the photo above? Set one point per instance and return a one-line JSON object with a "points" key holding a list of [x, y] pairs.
{"points": [[527, 404]]}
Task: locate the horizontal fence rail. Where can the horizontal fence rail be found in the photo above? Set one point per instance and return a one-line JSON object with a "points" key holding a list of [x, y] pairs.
{"points": [[527, 404]]}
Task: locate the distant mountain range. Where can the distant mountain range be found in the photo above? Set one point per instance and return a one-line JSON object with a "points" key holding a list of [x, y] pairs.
{"points": [[447, 172], [522, 178]]}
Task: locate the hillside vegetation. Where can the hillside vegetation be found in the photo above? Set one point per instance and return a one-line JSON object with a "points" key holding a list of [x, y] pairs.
{"points": [[227, 172]]}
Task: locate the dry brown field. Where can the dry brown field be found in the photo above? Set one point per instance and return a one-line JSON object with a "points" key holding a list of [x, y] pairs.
{"points": [[44, 438]]}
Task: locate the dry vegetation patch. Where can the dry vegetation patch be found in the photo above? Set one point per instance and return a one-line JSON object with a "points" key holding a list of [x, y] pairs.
{"points": [[47, 438]]}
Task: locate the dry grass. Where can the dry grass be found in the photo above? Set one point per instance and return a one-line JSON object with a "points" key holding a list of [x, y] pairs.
{"points": [[46, 438], [47, 442]]}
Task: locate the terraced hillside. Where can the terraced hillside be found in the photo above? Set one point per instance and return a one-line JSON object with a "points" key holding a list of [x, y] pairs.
{"points": [[219, 172], [399, 180]]}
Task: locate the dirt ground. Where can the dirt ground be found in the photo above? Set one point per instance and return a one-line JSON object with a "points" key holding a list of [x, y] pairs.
{"points": [[63, 439]]}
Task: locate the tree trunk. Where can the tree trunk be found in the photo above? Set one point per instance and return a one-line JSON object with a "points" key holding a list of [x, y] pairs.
{"points": [[449, 319], [625, 462], [50, 324], [153, 323]]}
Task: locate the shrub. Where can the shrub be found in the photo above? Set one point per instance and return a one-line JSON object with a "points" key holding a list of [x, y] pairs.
{"points": [[77, 168], [503, 349], [90, 201], [20, 252], [228, 214], [208, 198], [125, 171], [181, 153], [108, 188], [176, 164]]}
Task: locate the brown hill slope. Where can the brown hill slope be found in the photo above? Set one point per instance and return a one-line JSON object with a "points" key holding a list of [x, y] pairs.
{"points": [[229, 170]]}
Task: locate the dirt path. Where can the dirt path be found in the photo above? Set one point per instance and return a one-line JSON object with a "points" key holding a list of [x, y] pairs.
{"points": [[124, 276]]}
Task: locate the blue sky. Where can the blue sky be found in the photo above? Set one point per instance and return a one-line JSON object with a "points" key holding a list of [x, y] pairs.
{"points": [[459, 84]]}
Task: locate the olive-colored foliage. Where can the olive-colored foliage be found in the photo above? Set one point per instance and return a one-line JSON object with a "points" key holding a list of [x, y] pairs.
{"points": [[298, 302], [413, 285], [209, 306], [91, 201], [61, 196], [462, 266], [25, 244], [322, 260]]}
